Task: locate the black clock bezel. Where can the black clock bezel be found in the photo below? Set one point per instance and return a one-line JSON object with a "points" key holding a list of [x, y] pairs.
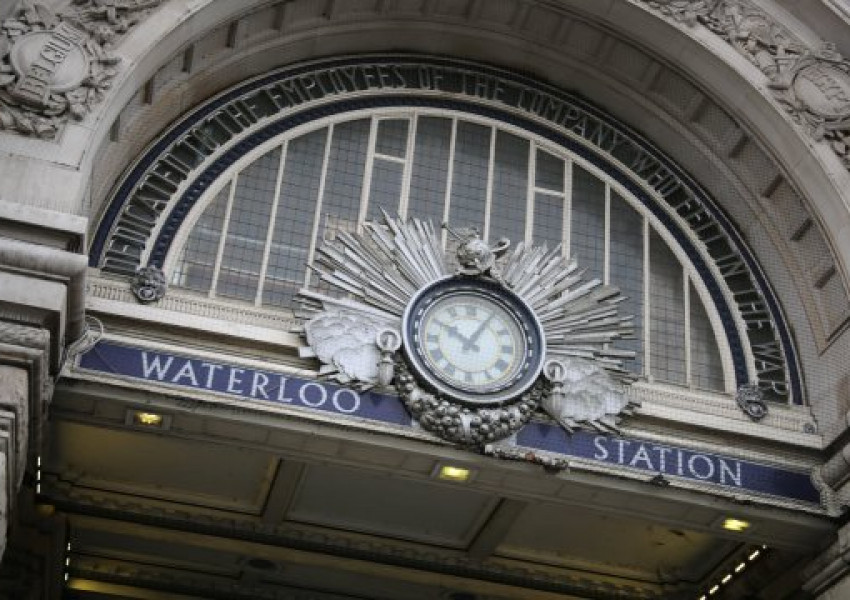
{"points": [[517, 308]]}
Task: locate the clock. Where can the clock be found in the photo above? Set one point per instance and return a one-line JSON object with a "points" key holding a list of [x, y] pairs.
{"points": [[473, 340]]}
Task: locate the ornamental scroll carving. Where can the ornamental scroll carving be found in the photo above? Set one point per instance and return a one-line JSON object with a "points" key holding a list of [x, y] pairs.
{"points": [[56, 65], [811, 84]]}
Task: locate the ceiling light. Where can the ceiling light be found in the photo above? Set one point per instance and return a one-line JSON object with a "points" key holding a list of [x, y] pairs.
{"points": [[452, 473], [714, 589], [732, 524], [147, 419], [740, 567], [726, 579], [754, 555]]}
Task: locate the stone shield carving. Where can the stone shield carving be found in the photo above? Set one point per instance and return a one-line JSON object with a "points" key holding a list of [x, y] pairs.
{"points": [[56, 65]]}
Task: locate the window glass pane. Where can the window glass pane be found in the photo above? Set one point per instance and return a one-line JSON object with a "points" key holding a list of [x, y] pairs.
{"points": [[626, 264], [706, 365], [550, 172], [667, 313], [587, 224], [548, 220], [392, 137], [430, 173], [246, 232], [385, 188], [347, 161], [469, 186], [510, 188], [294, 222], [194, 270]]}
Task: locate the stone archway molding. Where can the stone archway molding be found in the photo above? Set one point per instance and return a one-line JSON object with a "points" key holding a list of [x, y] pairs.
{"points": [[56, 65]]}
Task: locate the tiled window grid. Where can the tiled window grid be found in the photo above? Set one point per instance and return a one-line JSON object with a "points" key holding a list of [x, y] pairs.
{"points": [[267, 222]]}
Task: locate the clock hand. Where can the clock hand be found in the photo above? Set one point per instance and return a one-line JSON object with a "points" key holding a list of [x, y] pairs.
{"points": [[453, 331], [470, 343]]}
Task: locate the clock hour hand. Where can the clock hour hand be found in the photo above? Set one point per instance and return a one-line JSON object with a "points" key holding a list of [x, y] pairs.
{"points": [[455, 332], [470, 343], [452, 329]]}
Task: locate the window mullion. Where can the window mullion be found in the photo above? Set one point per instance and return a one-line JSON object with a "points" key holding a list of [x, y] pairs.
{"points": [[447, 205], [224, 227], [568, 206], [606, 238], [407, 171], [647, 309], [317, 217], [529, 193], [272, 218], [687, 299], [367, 173], [488, 202]]}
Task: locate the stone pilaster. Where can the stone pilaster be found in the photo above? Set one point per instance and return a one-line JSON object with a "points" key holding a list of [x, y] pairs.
{"points": [[14, 438], [827, 577], [42, 301]]}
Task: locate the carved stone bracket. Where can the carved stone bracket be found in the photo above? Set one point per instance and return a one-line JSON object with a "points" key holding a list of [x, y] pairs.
{"points": [[751, 401], [149, 284], [812, 84], [56, 65]]}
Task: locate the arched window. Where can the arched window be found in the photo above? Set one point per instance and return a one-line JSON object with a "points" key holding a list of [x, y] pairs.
{"points": [[257, 230]]}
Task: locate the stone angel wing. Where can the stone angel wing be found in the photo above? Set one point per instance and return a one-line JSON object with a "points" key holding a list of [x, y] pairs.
{"points": [[583, 392], [345, 343]]}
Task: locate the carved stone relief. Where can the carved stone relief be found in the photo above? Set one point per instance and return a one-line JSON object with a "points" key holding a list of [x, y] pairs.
{"points": [[149, 284], [812, 84], [56, 65]]}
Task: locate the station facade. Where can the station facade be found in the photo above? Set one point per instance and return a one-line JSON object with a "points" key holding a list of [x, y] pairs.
{"points": [[205, 204]]}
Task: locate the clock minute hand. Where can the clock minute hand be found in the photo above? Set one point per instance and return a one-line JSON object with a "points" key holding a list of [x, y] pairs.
{"points": [[470, 343]]}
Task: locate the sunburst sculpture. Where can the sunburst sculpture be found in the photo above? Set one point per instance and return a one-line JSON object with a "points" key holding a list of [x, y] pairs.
{"points": [[476, 352]]}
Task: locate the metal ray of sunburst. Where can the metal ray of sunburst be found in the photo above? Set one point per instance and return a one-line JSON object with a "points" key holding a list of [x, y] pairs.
{"points": [[382, 267], [580, 318], [379, 270]]}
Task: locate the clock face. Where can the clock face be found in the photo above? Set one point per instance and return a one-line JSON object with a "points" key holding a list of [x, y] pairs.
{"points": [[473, 340]]}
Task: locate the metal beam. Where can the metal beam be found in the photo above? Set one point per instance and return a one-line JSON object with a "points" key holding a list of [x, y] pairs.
{"points": [[496, 528]]}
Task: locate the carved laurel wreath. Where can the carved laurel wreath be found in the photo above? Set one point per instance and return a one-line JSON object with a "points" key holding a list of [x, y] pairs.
{"points": [[463, 424]]}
